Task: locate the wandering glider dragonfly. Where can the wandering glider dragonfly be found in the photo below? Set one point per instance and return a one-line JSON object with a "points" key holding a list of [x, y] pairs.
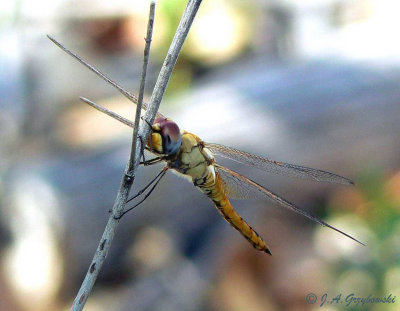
{"points": [[190, 156]]}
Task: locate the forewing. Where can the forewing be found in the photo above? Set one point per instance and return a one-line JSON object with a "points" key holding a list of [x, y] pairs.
{"points": [[132, 97], [276, 167], [239, 187]]}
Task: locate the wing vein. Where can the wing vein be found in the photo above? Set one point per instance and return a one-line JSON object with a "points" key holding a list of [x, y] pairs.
{"points": [[133, 98], [276, 167], [233, 181]]}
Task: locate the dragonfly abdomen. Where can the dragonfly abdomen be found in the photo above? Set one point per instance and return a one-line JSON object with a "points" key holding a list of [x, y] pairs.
{"points": [[212, 186]]}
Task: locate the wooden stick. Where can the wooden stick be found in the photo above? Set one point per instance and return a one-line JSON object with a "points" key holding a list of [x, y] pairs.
{"points": [[143, 131]]}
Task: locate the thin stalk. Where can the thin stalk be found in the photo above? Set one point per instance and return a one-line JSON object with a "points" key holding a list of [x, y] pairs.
{"points": [[144, 130], [149, 35]]}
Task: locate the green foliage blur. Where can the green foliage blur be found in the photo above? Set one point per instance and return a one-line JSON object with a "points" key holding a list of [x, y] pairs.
{"points": [[377, 273]]}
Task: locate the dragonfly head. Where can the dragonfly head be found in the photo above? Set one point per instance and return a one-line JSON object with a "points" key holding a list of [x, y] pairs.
{"points": [[166, 137]]}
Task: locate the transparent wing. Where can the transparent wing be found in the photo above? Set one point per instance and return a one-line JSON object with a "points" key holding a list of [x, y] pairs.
{"points": [[133, 98], [240, 187], [276, 167]]}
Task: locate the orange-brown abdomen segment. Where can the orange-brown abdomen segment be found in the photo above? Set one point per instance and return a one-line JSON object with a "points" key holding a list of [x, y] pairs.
{"points": [[214, 189]]}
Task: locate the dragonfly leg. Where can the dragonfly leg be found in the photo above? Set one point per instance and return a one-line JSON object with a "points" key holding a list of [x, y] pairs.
{"points": [[148, 123], [155, 182], [142, 147], [151, 129], [153, 161]]}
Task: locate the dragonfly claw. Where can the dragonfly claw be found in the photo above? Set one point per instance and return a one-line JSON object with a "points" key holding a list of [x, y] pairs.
{"points": [[118, 217]]}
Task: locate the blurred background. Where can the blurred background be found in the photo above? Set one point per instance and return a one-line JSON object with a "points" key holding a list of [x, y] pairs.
{"points": [[315, 83]]}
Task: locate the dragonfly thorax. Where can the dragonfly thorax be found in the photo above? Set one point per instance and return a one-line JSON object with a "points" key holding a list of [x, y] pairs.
{"points": [[192, 159]]}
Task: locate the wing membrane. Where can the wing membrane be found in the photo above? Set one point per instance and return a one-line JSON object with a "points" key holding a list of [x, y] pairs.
{"points": [[133, 98], [276, 167], [238, 186]]}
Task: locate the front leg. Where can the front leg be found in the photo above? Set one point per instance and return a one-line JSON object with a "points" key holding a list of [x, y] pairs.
{"points": [[153, 161]]}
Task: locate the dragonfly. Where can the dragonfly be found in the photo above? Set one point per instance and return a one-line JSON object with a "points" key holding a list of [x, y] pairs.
{"points": [[190, 156]]}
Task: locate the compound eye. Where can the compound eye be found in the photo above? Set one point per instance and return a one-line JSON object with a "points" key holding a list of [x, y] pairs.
{"points": [[171, 135]]}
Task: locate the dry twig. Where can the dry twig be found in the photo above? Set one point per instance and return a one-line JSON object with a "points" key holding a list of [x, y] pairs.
{"points": [[142, 131]]}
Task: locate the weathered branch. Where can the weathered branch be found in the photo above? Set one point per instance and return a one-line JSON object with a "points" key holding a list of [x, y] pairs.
{"points": [[123, 192], [143, 131], [150, 24]]}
